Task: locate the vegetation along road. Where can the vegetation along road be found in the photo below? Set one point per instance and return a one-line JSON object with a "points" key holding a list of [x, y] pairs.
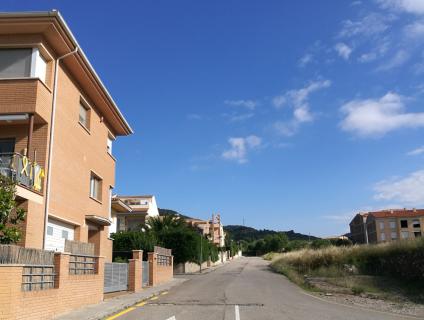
{"points": [[244, 289]]}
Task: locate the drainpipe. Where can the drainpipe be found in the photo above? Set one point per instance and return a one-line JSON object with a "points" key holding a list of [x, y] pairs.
{"points": [[51, 140]]}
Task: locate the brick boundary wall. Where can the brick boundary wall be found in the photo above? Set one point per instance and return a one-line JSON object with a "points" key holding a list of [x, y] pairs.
{"points": [[70, 292], [159, 273]]}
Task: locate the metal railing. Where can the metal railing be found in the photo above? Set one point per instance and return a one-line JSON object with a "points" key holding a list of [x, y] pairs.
{"points": [[22, 170], [38, 277], [82, 264]]}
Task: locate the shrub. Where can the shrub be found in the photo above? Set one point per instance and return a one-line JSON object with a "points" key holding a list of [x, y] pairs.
{"points": [[401, 259]]}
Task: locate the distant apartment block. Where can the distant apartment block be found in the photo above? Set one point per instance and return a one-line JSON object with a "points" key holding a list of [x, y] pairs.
{"points": [[213, 228], [57, 126], [387, 225], [132, 212]]}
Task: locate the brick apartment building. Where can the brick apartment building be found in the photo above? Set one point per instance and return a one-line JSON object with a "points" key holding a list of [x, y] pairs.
{"points": [[387, 225], [213, 228], [57, 126]]}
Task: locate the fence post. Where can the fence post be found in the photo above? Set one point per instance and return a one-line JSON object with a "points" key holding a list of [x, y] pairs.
{"points": [[153, 263], [135, 272]]}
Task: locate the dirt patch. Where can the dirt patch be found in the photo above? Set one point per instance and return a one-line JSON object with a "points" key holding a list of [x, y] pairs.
{"points": [[329, 289], [404, 308]]}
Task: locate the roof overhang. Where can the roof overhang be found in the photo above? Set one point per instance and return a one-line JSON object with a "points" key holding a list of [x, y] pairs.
{"points": [[55, 31], [120, 206], [102, 221]]}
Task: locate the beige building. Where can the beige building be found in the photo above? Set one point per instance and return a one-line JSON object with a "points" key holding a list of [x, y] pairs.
{"points": [[57, 126], [387, 225], [132, 212], [213, 228]]}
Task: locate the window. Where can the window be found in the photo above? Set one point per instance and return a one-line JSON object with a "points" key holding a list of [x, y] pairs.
{"points": [[39, 67], [109, 144], [383, 237], [84, 115], [405, 234], [15, 63], [22, 63], [95, 187], [416, 223], [392, 224], [65, 234], [417, 234], [381, 225], [50, 230], [394, 235], [404, 223]]}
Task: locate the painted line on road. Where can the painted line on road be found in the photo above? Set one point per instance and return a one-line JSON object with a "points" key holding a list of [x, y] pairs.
{"points": [[141, 304], [164, 293], [172, 318], [121, 313], [237, 312], [154, 298]]}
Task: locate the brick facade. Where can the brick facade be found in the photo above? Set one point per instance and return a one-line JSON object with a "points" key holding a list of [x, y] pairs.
{"points": [[159, 273], [70, 292], [78, 152]]}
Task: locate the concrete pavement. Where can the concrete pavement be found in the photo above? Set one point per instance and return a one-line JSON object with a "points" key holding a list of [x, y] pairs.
{"points": [[244, 289]]}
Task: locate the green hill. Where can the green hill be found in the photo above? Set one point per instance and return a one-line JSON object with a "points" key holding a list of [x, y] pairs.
{"points": [[249, 234]]}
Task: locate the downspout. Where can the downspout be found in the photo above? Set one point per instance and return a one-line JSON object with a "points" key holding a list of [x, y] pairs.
{"points": [[51, 140]]}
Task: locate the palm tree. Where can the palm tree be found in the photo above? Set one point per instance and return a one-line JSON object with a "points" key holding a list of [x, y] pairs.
{"points": [[169, 222]]}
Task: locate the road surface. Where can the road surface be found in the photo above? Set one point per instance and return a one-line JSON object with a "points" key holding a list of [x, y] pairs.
{"points": [[244, 289]]}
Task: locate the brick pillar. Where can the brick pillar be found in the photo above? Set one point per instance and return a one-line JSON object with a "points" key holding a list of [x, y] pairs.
{"points": [[134, 271], [10, 290], [153, 268], [61, 268]]}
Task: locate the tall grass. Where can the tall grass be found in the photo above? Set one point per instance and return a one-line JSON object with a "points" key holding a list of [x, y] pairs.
{"points": [[400, 259]]}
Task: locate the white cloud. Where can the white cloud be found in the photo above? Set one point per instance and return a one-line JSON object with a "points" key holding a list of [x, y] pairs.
{"points": [[377, 52], [410, 6], [376, 117], [409, 190], [396, 61], [343, 50], [415, 30], [305, 60], [279, 101], [248, 104], [237, 117], [416, 152], [194, 116], [370, 25], [299, 101], [240, 147], [344, 218]]}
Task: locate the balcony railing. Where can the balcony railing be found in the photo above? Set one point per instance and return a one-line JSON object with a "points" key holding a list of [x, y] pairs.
{"points": [[21, 170]]}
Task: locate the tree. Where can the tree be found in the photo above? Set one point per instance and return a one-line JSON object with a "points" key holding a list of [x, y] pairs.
{"points": [[10, 214]]}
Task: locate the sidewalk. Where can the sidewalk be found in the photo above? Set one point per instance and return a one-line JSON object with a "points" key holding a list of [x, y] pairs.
{"points": [[113, 305]]}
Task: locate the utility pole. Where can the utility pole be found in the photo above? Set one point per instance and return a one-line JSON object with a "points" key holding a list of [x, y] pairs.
{"points": [[201, 252]]}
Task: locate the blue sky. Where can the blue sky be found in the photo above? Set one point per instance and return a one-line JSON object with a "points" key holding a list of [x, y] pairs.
{"points": [[293, 115]]}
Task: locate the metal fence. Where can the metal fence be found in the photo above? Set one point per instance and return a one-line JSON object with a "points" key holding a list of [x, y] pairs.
{"points": [[38, 277], [145, 273], [116, 277], [82, 264]]}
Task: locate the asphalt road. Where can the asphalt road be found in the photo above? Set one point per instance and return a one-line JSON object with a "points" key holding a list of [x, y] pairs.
{"points": [[245, 289]]}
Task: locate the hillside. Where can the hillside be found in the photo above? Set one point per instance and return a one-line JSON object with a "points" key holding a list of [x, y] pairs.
{"points": [[248, 234]]}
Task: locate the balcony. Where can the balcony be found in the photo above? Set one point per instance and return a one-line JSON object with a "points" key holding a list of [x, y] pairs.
{"points": [[25, 95], [28, 175]]}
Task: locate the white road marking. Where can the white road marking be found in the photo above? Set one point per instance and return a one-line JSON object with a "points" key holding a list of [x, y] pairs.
{"points": [[237, 311], [172, 318]]}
